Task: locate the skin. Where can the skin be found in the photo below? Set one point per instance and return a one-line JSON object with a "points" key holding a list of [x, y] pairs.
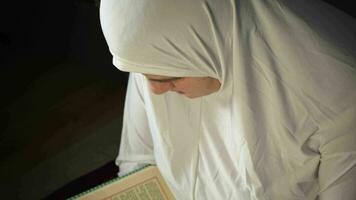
{"points": [[190, 87]]}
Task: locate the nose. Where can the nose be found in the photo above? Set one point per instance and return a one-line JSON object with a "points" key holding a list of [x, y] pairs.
{"points": [[173, 88], [160, 88]]}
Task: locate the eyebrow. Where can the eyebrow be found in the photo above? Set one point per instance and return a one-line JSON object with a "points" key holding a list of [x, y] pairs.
{"points": [[164, 80]]}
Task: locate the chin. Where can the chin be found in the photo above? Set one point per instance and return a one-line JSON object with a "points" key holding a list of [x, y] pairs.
{"points": [[192, 96]]}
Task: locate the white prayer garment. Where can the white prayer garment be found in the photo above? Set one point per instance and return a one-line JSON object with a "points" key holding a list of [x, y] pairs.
{"points": [[282, 125]]}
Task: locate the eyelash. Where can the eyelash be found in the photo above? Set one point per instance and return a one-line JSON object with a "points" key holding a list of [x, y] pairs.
{"points": [[172, 81]]}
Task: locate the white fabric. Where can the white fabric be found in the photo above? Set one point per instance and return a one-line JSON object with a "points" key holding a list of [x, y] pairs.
{"points": [[283, 124]]}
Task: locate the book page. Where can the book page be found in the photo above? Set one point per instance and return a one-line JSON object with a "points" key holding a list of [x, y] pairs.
{"points": [[146, 184]]}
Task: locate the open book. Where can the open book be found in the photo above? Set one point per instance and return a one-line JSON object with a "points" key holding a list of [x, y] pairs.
{"points": [[142, 184]]}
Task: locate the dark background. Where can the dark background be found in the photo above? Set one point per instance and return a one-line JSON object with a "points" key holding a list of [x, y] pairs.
{"points": [[57, 85], [61, 98]]}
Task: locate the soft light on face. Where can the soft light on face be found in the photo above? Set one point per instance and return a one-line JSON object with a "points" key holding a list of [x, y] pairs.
{"points": [[190, 87]]}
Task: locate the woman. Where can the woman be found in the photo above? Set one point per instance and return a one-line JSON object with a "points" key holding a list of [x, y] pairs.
{"points": [[238, 99]]}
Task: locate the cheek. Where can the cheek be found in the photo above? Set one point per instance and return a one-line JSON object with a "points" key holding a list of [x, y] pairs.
{"points": [[185, 85], [192, 87]]}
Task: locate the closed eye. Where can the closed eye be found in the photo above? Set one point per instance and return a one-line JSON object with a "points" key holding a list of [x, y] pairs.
{"points": [[164, 80]]}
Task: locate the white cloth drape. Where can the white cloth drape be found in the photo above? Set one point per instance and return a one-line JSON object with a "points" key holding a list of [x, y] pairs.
{"points": [[283, 124]]}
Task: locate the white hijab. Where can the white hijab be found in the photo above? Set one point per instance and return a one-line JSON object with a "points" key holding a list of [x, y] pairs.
{"points": [[288, 74]]}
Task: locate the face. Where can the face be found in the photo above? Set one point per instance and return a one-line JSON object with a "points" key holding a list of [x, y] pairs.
{"points": [[190, 87]]}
